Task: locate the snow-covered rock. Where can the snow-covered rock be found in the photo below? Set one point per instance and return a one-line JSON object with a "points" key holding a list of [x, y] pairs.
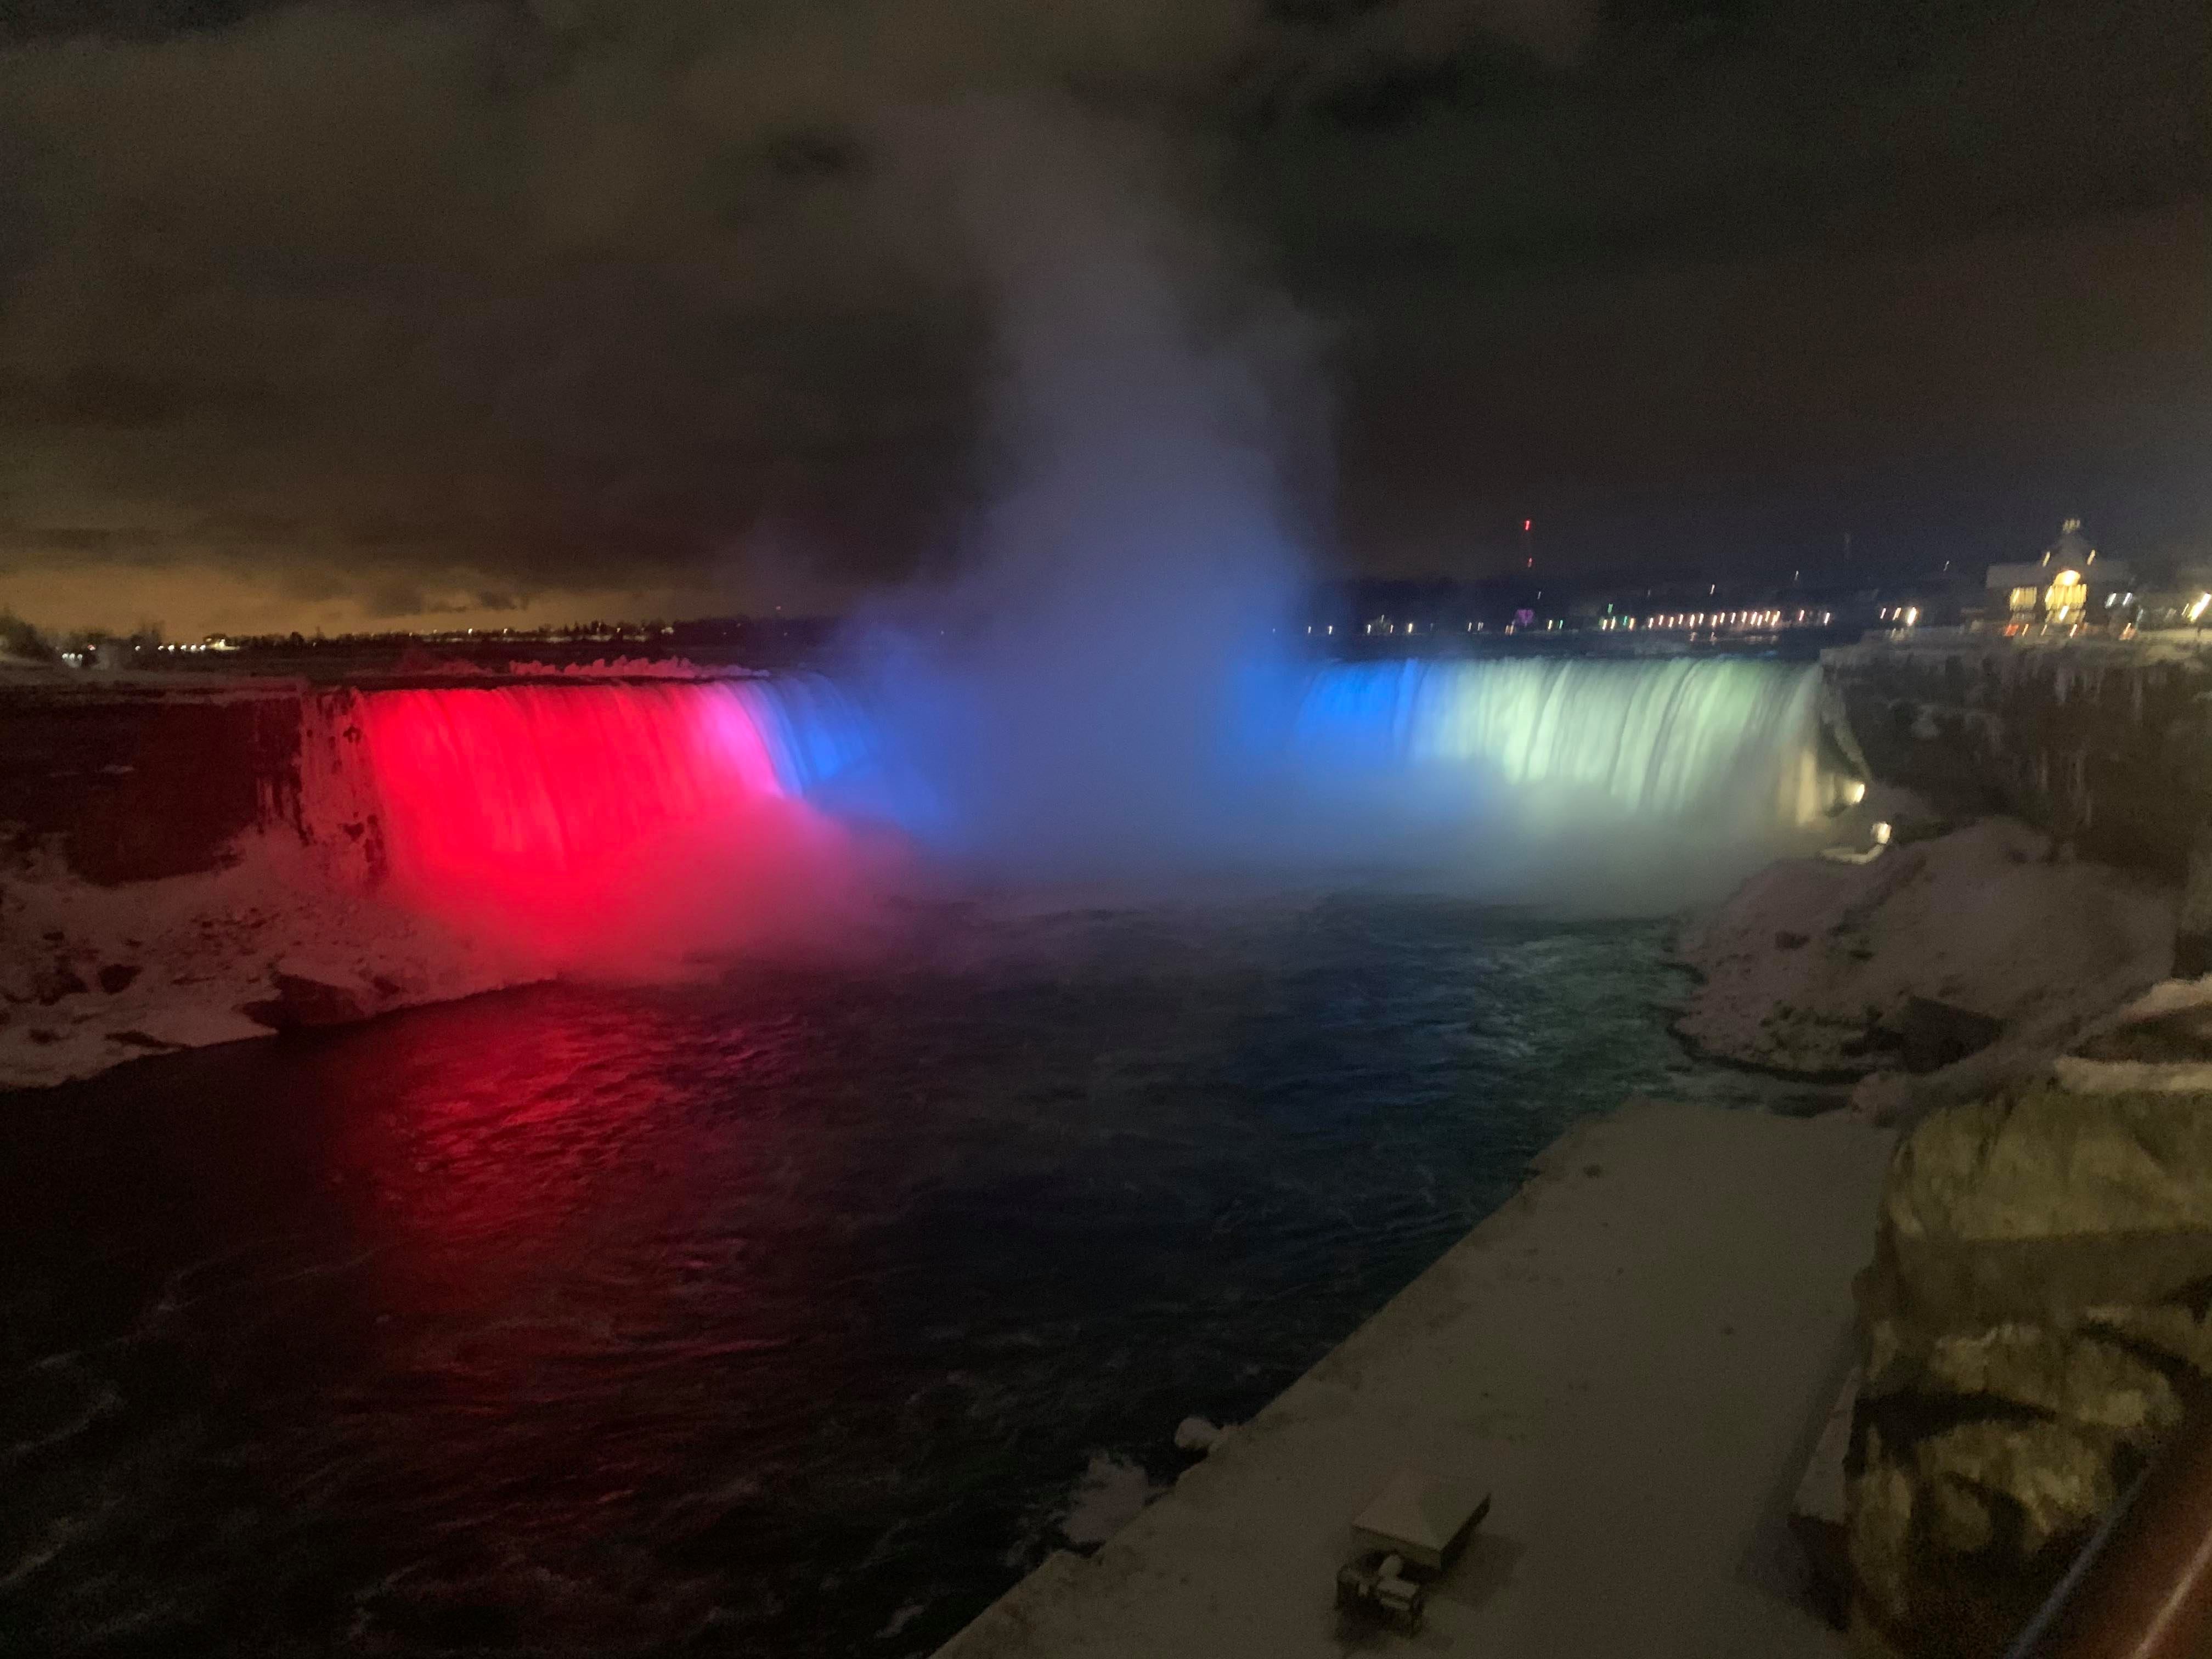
{"points": [[92, 975], [1814, 966], [1195, 1434]]}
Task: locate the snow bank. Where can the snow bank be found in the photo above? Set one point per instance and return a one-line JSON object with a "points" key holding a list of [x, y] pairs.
{"points": [[95, 976], [1810, 967]]}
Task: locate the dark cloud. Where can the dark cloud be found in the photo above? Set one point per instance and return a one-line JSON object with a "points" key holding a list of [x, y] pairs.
{"points": [[315, 313], [395, 599]]}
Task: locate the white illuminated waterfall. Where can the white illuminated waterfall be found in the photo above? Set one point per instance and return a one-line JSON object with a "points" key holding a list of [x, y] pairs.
{"points": [[1725, 745]]}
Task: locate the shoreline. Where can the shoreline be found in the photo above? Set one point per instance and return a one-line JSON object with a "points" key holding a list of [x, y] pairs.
{"points": [[270, 943], [1705, 1054], [1637, 1373]]}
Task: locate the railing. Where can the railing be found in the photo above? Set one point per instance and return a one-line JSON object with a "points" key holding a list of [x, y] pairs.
{"points": [[2141, 1587]]}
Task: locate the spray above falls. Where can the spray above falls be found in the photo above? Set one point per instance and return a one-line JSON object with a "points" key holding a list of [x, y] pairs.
{"points": [[1078, 696]]}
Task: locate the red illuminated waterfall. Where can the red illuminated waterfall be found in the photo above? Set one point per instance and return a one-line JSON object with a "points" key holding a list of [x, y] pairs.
{"points": [[585, 823]]}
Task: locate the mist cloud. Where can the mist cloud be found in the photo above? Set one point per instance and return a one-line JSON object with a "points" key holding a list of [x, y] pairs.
{"points": [[1073, 693]]}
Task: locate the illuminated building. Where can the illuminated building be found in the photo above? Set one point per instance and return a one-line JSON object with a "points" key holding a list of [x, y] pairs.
{"points": [[2068, 586]]}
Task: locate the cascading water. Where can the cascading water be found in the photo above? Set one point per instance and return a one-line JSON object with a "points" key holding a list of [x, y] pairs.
{"points": [[618, 822], [597, 822], [1518, 769], [1671, 738]]}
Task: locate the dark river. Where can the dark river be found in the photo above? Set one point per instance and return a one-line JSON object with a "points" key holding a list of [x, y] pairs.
{"points": [[798, 1313]]}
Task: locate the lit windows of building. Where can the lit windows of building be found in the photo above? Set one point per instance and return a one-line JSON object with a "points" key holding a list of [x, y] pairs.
{"points": [[2068, 585], [2066, 597]]}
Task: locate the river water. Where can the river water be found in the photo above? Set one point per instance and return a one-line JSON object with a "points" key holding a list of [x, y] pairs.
{"points": [[797, 1312]]}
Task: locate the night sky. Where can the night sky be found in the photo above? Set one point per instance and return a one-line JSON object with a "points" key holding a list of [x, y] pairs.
{"points": [[427, 313]]}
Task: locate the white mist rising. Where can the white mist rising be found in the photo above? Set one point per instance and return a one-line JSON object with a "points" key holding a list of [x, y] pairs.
{"points": [[1077, 700]]}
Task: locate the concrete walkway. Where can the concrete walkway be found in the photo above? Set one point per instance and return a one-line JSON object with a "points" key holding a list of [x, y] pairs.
{"points": [[1636, 1354]]}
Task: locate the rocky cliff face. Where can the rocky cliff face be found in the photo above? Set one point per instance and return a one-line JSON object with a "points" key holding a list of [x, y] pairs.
{"points": [[166, 881], [123, 781], [2034, 1325], [2108, 746]]}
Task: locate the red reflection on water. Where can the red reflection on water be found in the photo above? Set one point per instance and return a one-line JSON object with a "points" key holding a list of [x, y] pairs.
{"points": [[593, 824], [509, 1139]]}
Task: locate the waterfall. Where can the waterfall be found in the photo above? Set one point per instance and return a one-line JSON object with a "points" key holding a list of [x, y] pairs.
{"points": [[567, 816], [589, 819], [1721, 744]]}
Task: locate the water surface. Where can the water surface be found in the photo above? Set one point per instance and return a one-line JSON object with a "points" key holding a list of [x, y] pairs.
{"points": [[781, 1315]]}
